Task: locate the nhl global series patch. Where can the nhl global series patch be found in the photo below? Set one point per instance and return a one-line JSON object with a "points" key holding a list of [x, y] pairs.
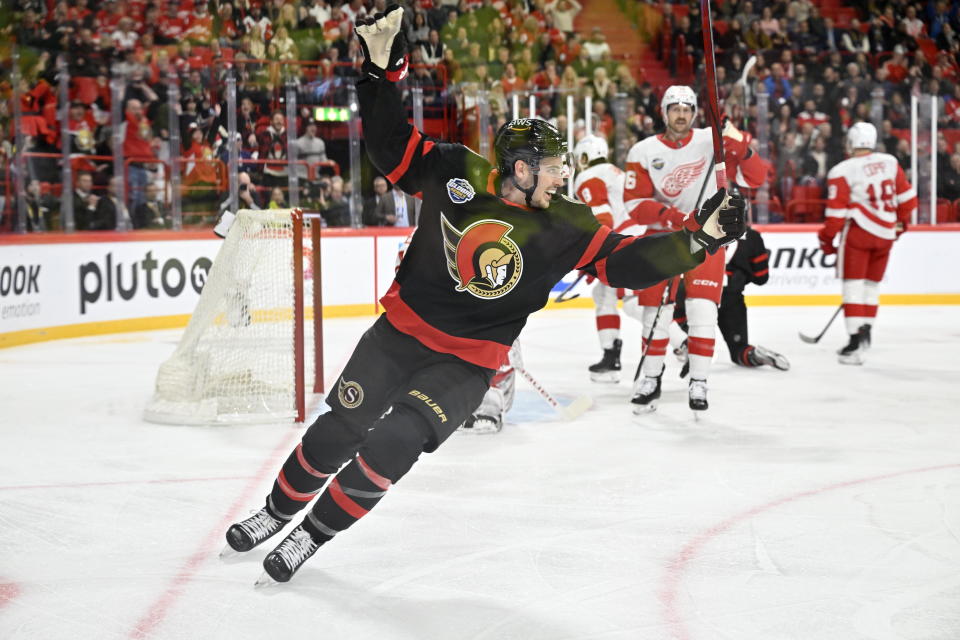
{"points": [[460, 190]]}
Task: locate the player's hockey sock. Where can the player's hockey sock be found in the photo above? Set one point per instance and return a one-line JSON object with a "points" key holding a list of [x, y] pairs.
{"points": [[608, 329], [296, 485], [700, 355], [653, 364], [351, 494]]}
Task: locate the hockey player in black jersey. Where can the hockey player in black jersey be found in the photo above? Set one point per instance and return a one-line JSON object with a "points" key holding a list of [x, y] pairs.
{"points": [[490, 245]]}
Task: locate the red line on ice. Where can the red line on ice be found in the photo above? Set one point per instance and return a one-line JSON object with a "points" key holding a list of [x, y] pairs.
{"points": [[8, 591], [678, 565]]}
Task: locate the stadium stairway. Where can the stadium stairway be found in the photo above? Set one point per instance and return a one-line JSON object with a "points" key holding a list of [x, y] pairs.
{"points": [[623, 32]]}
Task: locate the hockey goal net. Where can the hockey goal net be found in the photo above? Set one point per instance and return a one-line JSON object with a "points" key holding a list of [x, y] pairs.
{"points": [[253, 347]]}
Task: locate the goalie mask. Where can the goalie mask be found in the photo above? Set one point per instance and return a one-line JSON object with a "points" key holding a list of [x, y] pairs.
{"points": [[530, 140]]}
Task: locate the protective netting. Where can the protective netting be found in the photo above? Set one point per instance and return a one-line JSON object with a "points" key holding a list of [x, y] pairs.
{"points": [[235, 361]]}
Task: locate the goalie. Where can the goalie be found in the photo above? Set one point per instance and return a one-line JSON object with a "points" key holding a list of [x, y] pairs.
{"points": [[425, 364]]}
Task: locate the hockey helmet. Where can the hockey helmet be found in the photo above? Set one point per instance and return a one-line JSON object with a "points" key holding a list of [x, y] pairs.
{"points": [[590, 148], [678, 94], [862, 135], [530, 140]]}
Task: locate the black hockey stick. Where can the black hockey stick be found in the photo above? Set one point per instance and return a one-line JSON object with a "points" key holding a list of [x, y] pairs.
{"points": [[815, 340], [656, 318], [563, 294]]}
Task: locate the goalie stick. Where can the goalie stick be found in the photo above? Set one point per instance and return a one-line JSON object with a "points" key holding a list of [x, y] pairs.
{"points": [[570, 411], [816, 339]]}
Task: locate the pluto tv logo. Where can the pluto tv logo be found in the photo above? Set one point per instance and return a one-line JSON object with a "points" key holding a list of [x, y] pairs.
{"points": [[105, 280]]}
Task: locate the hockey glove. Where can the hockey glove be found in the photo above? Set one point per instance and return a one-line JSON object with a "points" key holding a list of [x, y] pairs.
{"points": [[384, 44], [826, 242], [719, 222], [736, 147]]}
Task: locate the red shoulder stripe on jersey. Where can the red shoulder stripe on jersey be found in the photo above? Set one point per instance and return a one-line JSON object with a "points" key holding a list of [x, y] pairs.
{"points": [[401, 169], [484, 353], [593, 248], [344, 501]]}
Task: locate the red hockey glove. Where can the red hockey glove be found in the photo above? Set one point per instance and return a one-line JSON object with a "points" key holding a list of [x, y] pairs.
{"points": [[826, 242], [674, 218], [900, 228], [384, 44], [719, 222], [736, 147]]}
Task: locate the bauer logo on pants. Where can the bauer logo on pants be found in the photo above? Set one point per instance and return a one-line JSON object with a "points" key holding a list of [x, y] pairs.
{"points": [[350, 394]]}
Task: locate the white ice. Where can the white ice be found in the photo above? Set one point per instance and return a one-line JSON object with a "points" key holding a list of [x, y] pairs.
{"points": [[818, 504]]}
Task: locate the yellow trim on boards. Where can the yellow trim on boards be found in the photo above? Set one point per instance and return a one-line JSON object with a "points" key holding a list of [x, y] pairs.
{"points": [[29, 336]]}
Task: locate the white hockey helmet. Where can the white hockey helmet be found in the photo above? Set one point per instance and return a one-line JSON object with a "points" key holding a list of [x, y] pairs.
{"points": [[862, 135], [678, 94], [590, 148]]}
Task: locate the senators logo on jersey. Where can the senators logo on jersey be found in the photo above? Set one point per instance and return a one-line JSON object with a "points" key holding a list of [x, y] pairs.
{"points": [[482, 259], [682, 177]]}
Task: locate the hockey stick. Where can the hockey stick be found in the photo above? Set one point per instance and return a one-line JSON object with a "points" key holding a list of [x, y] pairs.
{"points": [[816, 339], [713, 100], [570, 411], [563, 294], [656, 318]]}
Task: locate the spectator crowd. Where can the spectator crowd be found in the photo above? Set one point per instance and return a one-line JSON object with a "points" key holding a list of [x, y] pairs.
{"points": [[821, 68]]}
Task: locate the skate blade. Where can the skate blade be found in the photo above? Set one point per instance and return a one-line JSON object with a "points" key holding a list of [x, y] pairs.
{"points": [[229, 553], [605, 378], [699, 415], [848, 360], [644, 409], [265, 581]]}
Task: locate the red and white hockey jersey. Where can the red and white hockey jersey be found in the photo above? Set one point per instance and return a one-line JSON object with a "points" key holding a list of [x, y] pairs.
{"points": [[663, 178], [873, 191], [601, 187]]}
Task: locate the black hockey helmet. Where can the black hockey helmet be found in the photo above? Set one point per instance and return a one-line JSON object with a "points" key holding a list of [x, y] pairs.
{"points": [[527, 139]]}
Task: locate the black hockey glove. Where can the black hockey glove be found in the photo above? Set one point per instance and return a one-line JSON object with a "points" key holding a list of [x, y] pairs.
{"points": [[384, 44], [720, 221]]}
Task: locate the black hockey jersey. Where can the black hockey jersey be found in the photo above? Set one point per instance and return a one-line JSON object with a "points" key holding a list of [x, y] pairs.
{"points": [[478, 264], [750, 263]]}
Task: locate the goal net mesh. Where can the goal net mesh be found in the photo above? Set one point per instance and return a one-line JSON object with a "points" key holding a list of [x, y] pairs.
{"points": [[235, 361]]}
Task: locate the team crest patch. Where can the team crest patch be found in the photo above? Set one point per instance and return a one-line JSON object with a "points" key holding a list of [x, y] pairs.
{"points": [[460, 190], [350, 394], [658, 163], [482, 259]]}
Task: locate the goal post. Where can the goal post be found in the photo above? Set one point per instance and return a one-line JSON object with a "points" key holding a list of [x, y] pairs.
{"points": [[253, 348]]}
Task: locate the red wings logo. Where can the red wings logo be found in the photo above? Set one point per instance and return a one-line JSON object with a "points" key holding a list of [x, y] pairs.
{"points": [[482, 259], [681, 177]]}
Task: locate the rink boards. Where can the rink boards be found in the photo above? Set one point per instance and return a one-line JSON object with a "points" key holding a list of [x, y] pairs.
{"points": [[59, 286]]}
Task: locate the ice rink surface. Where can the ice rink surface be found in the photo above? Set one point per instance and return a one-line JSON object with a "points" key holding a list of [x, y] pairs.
{"points": [[818, 504]]}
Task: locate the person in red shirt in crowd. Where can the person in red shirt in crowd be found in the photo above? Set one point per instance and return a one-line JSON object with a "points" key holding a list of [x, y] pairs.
{"points": [[225, 26], [82, 129], [199, 167], [811, 116], [170, 26], [80, 12], [138, 150], [547, 78], [897, 65], [511, 81], [200, 26]]}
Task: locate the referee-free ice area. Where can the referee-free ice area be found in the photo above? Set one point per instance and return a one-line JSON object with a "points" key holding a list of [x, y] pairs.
{"points": [[821, 503]]}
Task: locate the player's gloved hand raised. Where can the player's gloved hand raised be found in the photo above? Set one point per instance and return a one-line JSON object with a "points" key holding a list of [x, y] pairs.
{"points": [[384, 44], [826, 242], [720, 221], [736, 147]]}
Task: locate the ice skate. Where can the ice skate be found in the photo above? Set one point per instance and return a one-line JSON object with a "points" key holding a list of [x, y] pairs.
{"points": [[646, 394], [608, 369], [761, 355], [853, 352], [479, 424], [698, 395], [247, 534], [284, 561], [865, 339]]}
